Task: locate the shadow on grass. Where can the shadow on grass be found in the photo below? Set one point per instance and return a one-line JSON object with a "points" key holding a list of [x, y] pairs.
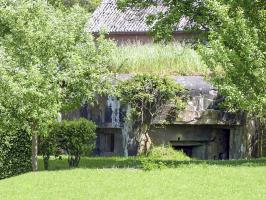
{"points": [[137, 163], [93, 163], [229, 163]]}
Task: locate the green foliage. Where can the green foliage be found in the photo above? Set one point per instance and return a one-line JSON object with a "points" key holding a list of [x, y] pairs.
{"points": [[49, 63], [47, 148], [236, 54], [72, 136], [148, 96], [97, 162], [88, 5], [236, 46], [159, 59], [149, 164], [136, 163], [15, 153], [167, 153], [60, 65], [157, 155]]}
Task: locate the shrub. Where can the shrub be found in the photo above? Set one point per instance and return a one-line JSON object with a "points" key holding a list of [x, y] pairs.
{"points": [[47, 147], [72, 136], [15, 153], [167, 153], [159, 157]]}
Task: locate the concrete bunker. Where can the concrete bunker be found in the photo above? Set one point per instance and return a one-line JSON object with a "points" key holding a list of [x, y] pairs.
{"points": [[201, 130], [203, 142]]}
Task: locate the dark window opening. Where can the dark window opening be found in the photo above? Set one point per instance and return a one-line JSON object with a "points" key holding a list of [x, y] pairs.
{"points": [[122, 113], [108, 114], [186, 149], [112, 144], [109, 142], [84, 112], [225, 154]]}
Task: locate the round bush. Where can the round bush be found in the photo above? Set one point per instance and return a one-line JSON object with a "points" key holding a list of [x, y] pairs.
{"points": [[167, 153], [72, 136]]}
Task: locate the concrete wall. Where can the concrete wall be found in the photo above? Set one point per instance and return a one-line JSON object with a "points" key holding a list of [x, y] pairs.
{"points": [[207, 142], [201, 126], [103, 143], [244, 140]]}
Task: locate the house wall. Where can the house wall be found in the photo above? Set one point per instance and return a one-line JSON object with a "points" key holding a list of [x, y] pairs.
{"points": [[144, 38]]}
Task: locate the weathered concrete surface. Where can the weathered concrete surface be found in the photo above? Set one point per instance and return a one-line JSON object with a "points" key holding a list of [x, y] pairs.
{"points": [[201, 129], [205, 142], [105, 137]]}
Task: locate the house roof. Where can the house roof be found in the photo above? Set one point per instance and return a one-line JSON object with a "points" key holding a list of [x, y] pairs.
{"points": [[107, 17]]}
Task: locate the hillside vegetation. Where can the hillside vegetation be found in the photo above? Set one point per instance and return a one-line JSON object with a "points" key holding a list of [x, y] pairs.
{"points": [[170, 59]]}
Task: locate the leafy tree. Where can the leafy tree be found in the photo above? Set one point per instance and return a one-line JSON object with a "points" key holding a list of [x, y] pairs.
{"points": [[148, 97], [48, 64], [88, 5], [235, 52]]}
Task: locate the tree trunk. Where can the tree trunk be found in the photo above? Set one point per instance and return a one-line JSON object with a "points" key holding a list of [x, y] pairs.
{"points": [[144, 140], [34, 152], [145, 144]]}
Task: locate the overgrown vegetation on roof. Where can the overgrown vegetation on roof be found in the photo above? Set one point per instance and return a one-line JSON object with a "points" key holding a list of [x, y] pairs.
{"points": [[170, 59]]}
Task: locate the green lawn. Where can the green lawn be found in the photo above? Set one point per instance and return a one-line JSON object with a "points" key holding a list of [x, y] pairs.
{"points": [[101, 178]]}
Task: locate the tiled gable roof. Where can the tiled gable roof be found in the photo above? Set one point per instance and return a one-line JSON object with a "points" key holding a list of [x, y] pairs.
{"points": [[108, 18]]}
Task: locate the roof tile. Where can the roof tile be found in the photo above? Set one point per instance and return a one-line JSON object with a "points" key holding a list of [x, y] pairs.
{"points": [[107, 17]]}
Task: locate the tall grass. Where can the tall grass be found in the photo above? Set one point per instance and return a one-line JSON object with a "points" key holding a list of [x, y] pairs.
{"points": [[170, 59]]}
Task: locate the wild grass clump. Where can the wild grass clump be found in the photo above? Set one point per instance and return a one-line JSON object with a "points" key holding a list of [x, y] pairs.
{"points": [[162, 59], [161, 157], [167, 153]]}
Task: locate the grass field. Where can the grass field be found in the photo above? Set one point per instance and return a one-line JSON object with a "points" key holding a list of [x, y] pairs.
{"points": [[120, 178], [171, 59]]}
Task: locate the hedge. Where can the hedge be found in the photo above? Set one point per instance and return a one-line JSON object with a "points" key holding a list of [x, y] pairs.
{"points": [[15, 154]]}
